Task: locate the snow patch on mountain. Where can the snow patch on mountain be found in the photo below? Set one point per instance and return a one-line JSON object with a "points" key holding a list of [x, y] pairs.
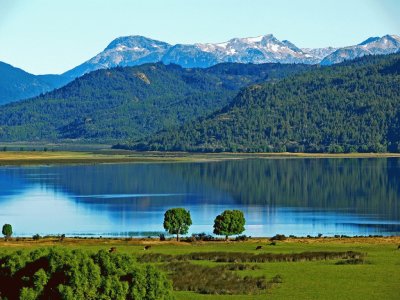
{"points": [[136, 50], [372, 46]]}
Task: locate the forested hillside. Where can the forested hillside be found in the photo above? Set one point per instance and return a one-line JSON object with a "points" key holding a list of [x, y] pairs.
{"points": [[16, 84], [132, 102], [351, 107]]}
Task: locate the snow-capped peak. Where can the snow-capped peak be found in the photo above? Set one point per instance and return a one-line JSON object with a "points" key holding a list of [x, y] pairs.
{"points": [[134, 50], [372, 46], [393, 36], [385, 40], [132, 41], [256, 39]]}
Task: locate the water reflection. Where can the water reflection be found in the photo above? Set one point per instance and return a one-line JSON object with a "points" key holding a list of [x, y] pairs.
{"points": [[289, 196]]}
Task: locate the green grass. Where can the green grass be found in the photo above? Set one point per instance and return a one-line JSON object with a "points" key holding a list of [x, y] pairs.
{"points": [[378, 278], [105, 155]]}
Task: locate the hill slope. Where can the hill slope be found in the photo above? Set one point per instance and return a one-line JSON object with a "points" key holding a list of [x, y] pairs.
{"points": [[16, 84], [131, 102], [354, 106]]}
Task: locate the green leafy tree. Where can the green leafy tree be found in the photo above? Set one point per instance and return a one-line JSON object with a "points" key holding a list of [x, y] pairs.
{"points": [[7, 231], [75, 274], [230, 222], [177, 221]]}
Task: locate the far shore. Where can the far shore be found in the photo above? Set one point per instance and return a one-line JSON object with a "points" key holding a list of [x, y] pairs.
{"points": [[15, 158]]}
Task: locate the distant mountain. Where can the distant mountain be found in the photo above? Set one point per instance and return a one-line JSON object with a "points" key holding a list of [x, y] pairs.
{"points": [[372, 46], [123, 51], [132, 102], [16, 84], [349, 107], [262, 49], [319, 53], [136, 50]]}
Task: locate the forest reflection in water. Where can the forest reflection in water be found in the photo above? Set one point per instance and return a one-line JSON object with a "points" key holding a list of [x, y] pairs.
{"points": [[290, 196]]}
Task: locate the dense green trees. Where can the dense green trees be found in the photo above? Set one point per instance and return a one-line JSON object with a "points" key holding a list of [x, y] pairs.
{"points": [[7, 231], [350, 107], [230, 222], [133, 102], [177, 221], [65, 274]]}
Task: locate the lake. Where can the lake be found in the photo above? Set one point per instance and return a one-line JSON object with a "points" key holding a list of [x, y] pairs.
{"points": [[286, 196]]}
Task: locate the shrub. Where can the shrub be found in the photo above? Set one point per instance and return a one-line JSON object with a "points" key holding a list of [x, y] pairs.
{"points": [[36, 237], [244, 257], [278, 237], [66, 274], [202, 237], [351, 261], [276, 279], [62, 237], [214, 280], [242, 237], [240, 267]]}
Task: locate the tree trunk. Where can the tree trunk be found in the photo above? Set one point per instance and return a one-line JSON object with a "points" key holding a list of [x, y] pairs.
{"points": [[226, 238], [177, 234]]}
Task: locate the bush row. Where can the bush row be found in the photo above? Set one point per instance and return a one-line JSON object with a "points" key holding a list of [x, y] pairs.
{"points": [[239, 257], [216, 280]]}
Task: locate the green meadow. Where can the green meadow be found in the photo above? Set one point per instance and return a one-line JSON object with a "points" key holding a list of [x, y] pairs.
{"points": [[375, 276]]}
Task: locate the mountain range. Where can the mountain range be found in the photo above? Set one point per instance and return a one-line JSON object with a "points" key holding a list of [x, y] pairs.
{"points": [[373, 46], [16, 84], [136, 50]]}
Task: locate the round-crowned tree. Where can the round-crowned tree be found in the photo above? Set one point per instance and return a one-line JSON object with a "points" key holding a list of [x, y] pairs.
{"points": [[230, 222], [177, 221], [7, 231]]}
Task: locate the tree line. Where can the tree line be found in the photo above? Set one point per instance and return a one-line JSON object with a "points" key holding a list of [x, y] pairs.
{"points": [[178, 220]]}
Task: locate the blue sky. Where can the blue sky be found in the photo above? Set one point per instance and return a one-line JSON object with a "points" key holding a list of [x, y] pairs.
{"points": [[52, 36]]}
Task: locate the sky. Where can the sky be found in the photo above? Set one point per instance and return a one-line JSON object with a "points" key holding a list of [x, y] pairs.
{"points": [[53, 36]]}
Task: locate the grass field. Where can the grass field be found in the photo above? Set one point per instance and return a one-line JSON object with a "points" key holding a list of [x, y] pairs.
{"points": [[121, 156], [377, 278], [80, 157]]}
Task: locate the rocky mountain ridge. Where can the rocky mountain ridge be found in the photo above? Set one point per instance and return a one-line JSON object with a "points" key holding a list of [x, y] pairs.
{"points": [[136, 50]]}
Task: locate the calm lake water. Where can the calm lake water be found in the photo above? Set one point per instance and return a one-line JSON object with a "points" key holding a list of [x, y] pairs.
{"points": [[286, 196]]}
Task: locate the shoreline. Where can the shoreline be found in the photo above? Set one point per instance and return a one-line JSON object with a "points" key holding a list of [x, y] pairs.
{"points": [[20, 158], [106, 241]]}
